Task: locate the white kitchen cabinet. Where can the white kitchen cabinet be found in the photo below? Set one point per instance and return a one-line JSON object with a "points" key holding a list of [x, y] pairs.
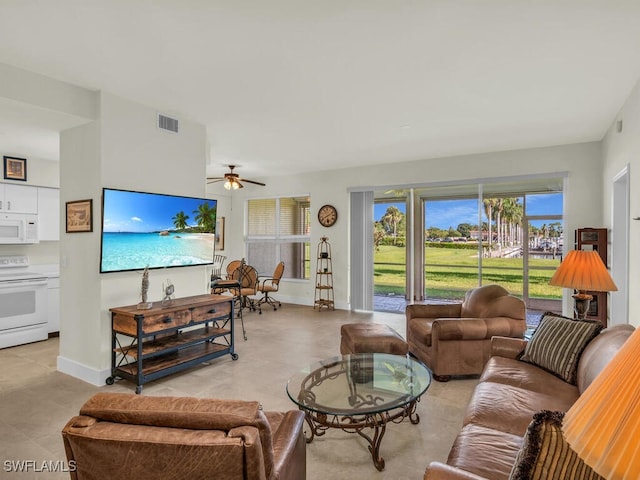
{"points": [[18, 198], [48, 214]]}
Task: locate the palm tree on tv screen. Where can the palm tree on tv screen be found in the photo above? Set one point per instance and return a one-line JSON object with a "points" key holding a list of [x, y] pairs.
{"points": [[205, 216], [180, 220]]}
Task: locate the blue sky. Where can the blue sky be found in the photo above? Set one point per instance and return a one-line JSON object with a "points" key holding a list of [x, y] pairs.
{"points": [[145, 212], [450, 213]]}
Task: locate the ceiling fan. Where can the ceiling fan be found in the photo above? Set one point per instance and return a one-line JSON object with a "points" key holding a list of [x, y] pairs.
{"points": [[232, 180]]}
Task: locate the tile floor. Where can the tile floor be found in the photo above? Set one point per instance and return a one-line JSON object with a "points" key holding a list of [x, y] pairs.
{"points": [[36, 400]]}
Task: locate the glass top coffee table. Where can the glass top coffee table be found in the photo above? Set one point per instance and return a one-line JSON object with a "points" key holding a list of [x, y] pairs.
{"points": [[359, 392]]}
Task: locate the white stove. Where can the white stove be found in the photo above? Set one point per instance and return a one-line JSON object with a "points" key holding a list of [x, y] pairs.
{"points": [[23, 302]]}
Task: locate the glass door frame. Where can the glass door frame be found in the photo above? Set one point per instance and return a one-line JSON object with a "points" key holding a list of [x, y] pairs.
{"points": [[525, 273]]}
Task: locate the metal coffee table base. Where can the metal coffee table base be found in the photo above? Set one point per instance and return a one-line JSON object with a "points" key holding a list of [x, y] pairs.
{"points": [[319, 423]]}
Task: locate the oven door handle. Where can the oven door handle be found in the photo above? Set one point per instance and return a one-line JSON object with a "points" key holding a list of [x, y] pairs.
{"points": [[22, 283]]}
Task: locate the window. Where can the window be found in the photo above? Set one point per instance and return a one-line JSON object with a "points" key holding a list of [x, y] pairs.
{"points": [[278, 230]]}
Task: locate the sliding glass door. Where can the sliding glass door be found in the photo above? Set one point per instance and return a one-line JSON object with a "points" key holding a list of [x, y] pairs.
{"points": [[434, 243], [390, 248], [451, 248], [543, 251]]}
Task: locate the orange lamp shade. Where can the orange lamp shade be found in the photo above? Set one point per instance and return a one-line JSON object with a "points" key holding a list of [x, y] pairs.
{"points": [[583, 270], [603, 426]]}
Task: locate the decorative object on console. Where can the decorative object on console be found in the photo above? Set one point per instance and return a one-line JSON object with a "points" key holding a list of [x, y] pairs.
{"points": [[15, 168], [79, 216], [168, 293], [232, 180], [583, 270], [144, 290]]}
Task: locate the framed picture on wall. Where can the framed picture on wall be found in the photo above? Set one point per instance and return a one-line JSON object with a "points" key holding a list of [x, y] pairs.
{"points": [[219, 234], [15, 168], [80, 216]]}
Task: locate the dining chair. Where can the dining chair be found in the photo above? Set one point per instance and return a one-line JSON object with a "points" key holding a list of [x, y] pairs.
{"points": [[270, 285]]}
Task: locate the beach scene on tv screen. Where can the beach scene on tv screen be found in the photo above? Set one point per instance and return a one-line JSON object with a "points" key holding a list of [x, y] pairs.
{"points": [[154, 230]]}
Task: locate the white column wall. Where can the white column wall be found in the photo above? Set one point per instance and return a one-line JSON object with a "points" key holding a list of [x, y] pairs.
{"points": [[123, 149], [621, 149]]}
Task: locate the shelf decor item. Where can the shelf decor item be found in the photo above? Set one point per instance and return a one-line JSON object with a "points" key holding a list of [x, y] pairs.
{"points": [[324, 277], [15, 168]]}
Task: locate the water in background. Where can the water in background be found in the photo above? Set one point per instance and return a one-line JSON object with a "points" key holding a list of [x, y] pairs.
{"points": [[127, 251]]}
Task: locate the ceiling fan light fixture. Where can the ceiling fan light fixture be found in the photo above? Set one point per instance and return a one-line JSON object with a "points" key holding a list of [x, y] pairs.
{"points": [[231, 184], [232, 180]]}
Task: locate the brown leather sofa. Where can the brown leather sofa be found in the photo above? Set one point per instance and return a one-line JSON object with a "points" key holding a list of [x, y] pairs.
{"points": [[118, 436], [510, 392], [455, 339]]}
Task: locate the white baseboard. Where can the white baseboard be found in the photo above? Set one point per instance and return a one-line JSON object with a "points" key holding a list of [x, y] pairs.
{"points": [[83, 372]]}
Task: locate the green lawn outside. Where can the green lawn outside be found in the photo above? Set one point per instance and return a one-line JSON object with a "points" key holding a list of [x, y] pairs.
{"points": [[452, 272]]}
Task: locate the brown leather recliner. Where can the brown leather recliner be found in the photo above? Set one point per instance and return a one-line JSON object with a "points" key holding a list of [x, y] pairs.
{"points": [[120, 436], [455, 339]]}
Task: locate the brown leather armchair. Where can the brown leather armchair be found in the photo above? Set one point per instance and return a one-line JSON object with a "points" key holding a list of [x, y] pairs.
{"points": [[455, 339], [120, 436]]}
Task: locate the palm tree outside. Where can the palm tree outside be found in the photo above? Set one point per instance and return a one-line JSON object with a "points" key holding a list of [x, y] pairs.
{"points": [[392, 218], [455, 261]]}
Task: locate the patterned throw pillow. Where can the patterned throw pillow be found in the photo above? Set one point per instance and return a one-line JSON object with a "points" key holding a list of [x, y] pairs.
{"points": [[557, 344], [545, 455]]}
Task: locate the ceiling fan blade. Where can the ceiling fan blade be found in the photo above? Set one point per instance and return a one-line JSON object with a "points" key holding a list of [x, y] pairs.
{"points": [[252, 181], [215, 179]]}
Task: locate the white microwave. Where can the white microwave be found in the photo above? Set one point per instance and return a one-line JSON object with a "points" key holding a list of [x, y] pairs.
{"points": [[18, 228]]}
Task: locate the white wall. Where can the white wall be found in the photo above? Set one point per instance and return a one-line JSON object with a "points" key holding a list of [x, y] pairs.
{"points": [[122, 149], [81, 337], [619, 150], [582, 200]]}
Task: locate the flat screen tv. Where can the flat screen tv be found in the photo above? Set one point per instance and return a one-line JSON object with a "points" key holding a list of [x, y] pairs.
{"points": [[154, 230]]}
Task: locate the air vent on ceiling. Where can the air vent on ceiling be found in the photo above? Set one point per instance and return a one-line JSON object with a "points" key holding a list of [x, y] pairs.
{"points": [[167, 123]]}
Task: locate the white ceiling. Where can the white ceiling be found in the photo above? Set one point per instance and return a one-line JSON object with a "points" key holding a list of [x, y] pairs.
{"points": [[297, 85]]}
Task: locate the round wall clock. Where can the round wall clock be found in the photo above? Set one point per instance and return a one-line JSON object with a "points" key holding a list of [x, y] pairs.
{"points": [[327, 215]]}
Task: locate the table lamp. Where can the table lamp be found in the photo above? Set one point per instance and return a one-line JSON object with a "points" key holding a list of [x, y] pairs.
{"points": [[583, 270], [603, 425]]}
